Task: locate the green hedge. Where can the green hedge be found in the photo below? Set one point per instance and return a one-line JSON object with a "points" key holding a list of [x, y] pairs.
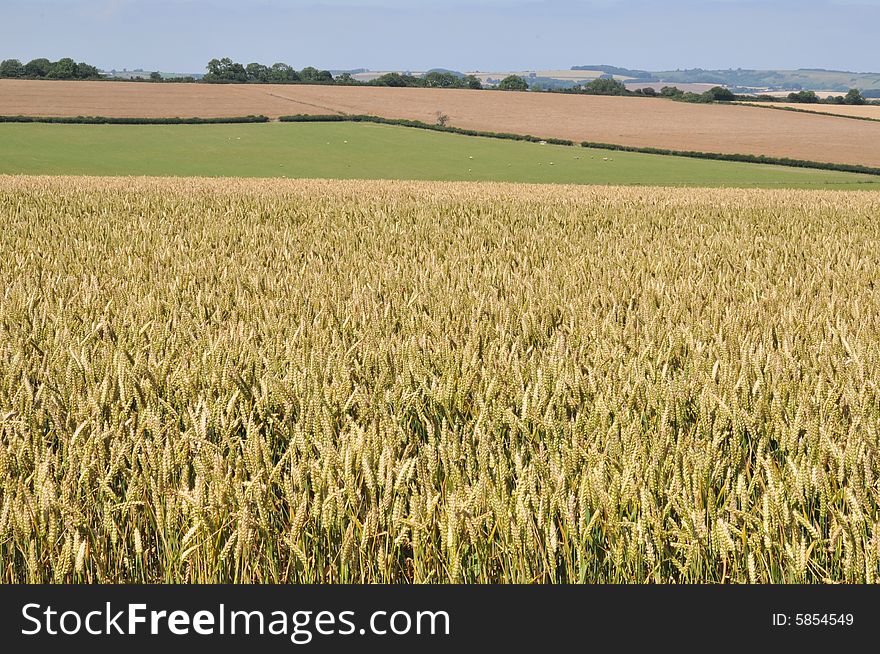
{"points": [[104, 120], [744, 158], [404, 122]]}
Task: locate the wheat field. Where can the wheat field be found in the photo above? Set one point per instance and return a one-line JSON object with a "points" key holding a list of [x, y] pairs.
{"points": [[316, 381], [637, 122]]}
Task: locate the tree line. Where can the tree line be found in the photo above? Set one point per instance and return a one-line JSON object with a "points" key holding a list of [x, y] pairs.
{"points": [[227, 71], [65, 68], [853, 97], [431, 80]]}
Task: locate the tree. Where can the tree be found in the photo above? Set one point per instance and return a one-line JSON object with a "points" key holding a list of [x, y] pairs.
{"points": [[308, 73], [854, 96], [513, 83], [312, 74], [155, 76], [605, 86], [689, 96], [85, 71], [225, 70], [808, 97], [237, 73], [436, 80], [391, 79], [37, 68], [63, 69], [721, 94], [472, 82], [217, 67], [283, 73], [257, 73], [671, 92], [11, 68]]}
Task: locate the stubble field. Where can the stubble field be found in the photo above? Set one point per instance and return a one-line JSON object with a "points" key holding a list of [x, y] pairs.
{"points": [[230, 380], [641, 122]]}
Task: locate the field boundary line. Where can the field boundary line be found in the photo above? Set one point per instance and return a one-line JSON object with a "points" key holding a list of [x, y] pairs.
{"points": [[307, 104], [798, 110]]}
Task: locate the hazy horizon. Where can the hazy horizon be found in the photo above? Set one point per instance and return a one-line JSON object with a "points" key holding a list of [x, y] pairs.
{"points": [[488, 35]]}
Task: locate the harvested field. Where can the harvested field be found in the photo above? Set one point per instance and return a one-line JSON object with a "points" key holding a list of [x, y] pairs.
{"points": [[861, 111], [642, 122]]}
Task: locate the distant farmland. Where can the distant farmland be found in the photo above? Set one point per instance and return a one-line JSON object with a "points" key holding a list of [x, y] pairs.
{"points": [[343, 150], [626, 121]]}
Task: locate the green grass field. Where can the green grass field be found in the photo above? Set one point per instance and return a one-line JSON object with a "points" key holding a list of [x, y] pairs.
{"points": [[366, 151]]}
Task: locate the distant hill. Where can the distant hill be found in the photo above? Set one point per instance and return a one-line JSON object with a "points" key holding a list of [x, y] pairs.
{"points": [[140, 73], [454, 73], [811, 79], [804, 78], [623, 72]]}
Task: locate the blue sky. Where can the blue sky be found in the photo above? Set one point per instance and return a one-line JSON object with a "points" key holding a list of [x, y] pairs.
{"points": [[182, 35]]}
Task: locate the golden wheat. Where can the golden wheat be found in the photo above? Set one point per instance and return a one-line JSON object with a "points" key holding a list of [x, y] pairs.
{"points": [[254, 381]]}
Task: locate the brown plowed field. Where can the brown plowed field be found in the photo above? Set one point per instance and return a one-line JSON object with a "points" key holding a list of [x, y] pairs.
{"points": [[626, 121]]}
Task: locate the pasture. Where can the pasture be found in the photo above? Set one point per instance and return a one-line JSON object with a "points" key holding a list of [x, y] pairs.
{"points": [[366, 151]]}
